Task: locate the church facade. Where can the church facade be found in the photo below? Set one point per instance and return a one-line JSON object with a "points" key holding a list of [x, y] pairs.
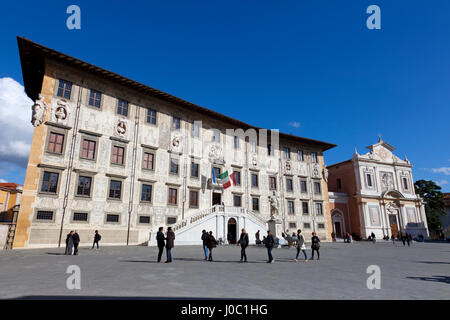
{"points": [[113, 155], [374, 192]]}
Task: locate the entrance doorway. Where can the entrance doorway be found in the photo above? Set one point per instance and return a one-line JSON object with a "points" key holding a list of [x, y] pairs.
{"points": [[232, 229], [394, 225], [216, 198], [337, 229]]}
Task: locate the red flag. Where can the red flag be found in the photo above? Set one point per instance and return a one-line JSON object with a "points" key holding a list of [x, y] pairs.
{"points": [[233, 177]]}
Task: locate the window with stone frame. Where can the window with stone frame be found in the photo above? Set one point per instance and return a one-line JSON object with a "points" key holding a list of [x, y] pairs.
{"points": [[50, 182], [144, 219], [80, 217], [306, 225], [303, 186], [272, 183], [194, 169], [290, 205], [112, 218], [171, 220], [146, 192], [151, 116], [95, 98], [193, 198], [172, 196], [287, 152], [88, 149], [319, 209], [173, 166], [254, 177], [269, 150], [122, 107], [289, 185], [196, 129], [118, 155], [55, 142], [292, 225], [255, 204], [216, 135], [115, 189], [44, 215], [64, 89], [236, 142], [305, 208], [320, 226], [300, 155], [314, 158], [405, 183], [176, 123], [148, 160], [237, 200], [317, 188], [84, 186]]}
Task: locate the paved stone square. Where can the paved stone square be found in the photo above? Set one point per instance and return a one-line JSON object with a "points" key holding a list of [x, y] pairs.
{"points": [[421, 271]]}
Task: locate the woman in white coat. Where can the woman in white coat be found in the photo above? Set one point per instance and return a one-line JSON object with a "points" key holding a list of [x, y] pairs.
{"points": [[301, 245]]}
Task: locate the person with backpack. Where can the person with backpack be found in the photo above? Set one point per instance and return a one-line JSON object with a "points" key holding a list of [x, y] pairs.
{"points": [[205, 247], [97, 238], [244, 241], [301, 246], [315, 246], [269, 245], [211, 243]]}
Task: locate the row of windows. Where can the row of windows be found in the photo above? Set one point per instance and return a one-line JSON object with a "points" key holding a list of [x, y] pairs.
{"points": [[80, 217], [306, 225]]}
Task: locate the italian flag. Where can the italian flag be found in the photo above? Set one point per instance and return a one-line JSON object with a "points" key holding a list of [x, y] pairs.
{"points": [[225, 179]]}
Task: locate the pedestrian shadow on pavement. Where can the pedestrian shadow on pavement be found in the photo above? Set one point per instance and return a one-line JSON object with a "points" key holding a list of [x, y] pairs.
{"points": [[55, 253], [444, 279], [433, 262], [147, 261]]}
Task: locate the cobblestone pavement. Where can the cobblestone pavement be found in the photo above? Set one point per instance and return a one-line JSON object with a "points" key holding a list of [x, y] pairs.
{"points": [[421, 271]]}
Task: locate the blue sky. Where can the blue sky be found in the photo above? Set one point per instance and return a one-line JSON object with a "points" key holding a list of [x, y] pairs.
{"points": [[310, 68]]}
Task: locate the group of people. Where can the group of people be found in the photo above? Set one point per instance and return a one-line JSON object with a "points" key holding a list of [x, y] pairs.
{"points": [[73, 240], [165, 241]]}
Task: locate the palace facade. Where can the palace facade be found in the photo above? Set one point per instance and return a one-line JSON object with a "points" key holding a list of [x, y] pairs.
{"points": [[374, 192], [114, 155]]}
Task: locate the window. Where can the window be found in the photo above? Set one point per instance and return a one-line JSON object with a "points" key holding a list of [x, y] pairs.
{"points": [[300, 155], [291, 207], [115, 189], [95, 98], [254, 180], [64, 89], [44, 215], [306, 225], [314, 157], [216, 171], [50, 182], [339, 183], [216, 135], [151, 116], [55, 142], [194, 169], [84, 186], [317, 188], [112, 218], [319, 210], [173, 196], [305, 208], [196, 129], [369, 180], [80, 217], [272, 183], [405, 183], [303, 186], [236, 142], [88, 149], [287, 153], [252, 146], [193, 198], [173, 166], [122, 107], [171, 220], [255, 204], [321, 226], [146, 193], [176, 123], [237, 176], [118, 155], [289, 185], [147, 161], [237, 200], [292, 225], [144, 219], [270, 150]]}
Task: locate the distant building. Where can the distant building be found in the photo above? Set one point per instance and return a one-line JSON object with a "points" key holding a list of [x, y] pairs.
{"points": [[375, 193], [10, 194], [446, 219]]}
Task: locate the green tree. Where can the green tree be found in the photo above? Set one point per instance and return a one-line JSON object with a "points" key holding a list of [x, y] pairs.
{"points": [[434, 202]]}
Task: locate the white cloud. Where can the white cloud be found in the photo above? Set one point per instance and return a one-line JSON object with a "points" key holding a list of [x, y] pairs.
{"points": [[441, 183], [2, 180], [15, 117], [295, 124], [444, 170]]}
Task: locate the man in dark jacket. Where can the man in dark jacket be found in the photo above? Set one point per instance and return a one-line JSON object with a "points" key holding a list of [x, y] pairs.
{"points": [[160, 240], [211, 243], [97, 238], [269, 245], [205, 247], [170, 239], [244, 241], [76, 242]]}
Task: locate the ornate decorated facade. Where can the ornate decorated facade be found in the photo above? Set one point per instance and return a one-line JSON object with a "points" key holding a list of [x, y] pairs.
{"points": [[374, 192], [114, 155]]}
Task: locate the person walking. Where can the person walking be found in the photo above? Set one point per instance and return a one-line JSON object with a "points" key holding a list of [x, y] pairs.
{"points": [[315, 246], [393, 239], [374, 239], [403, 238], [301, 246], [76, 242], [211, 243], [407, 238], [257, 237], [205, 247], [97, 238], [160, 241], [244, 241], [269, 245], [69, 243], [170, 239]]}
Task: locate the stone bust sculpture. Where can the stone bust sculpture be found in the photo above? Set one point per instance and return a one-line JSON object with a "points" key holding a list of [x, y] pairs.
{"points": [[39, 109]]}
